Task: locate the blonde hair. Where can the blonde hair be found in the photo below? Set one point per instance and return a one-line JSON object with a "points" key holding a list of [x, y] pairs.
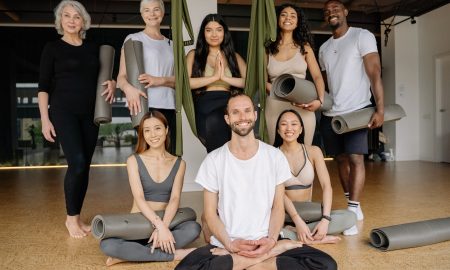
{"points": [[143, 2], [80, 9]]}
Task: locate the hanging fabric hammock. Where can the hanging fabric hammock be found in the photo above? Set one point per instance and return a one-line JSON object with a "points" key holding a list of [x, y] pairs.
{"points": [[263, 25], [183, 96]]}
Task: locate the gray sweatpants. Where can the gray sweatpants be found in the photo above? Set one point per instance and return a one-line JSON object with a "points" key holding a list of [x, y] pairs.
{"points": [[139, 250]]}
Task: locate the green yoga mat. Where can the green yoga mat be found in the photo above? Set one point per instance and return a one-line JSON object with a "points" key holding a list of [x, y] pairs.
{"points": [[359, 119], [410, 235], [298, 90], [134, 61], [133, 226], [103, 114]]}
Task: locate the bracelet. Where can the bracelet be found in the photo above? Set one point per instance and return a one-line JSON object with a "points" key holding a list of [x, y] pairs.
{"points": [[326, 217]]}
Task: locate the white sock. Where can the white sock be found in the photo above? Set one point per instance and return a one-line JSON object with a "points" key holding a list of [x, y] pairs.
{"points": [[355, 207], [352, 231]]}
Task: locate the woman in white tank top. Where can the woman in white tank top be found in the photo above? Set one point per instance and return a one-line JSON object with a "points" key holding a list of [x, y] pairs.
{"points": [[292, 53]]}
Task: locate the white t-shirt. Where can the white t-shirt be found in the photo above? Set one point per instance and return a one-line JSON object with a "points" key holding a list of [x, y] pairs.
{"points": [[158, 62], [246, 188], [342, 59]]}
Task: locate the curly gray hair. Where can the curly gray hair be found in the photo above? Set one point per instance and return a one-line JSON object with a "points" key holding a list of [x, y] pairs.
{"points": [[80, 9], [143, 2]]}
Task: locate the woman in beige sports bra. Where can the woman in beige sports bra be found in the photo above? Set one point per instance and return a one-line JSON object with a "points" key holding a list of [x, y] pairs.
{"points": [[214, 68], [303, 160], [292, 53]]}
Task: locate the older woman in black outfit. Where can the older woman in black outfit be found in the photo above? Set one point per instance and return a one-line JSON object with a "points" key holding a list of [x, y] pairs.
{"points": [[67, 87]]}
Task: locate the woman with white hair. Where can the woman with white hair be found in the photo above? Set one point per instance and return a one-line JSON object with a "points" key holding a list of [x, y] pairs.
{"points": [[67, 90], [159, 76]]}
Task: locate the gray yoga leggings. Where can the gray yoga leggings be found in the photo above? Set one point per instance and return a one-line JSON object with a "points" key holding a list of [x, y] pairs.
{"points": [[341, 220], [139, 250]]}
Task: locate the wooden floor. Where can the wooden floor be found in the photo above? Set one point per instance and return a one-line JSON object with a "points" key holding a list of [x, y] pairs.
{"points": [[33, 236]]}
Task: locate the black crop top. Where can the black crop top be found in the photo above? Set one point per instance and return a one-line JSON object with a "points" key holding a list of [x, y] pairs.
{"points": [[153, 191], [69, 74]]}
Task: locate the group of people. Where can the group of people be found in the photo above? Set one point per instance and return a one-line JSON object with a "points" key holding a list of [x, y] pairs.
{"points": [[248, 185]]}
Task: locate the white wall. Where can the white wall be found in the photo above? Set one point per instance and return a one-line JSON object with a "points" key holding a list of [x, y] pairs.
{"points": [[193, 151], [409, 80]]}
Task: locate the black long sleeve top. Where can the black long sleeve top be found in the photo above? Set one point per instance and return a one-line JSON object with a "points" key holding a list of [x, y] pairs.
{"points": [[69, 74]]}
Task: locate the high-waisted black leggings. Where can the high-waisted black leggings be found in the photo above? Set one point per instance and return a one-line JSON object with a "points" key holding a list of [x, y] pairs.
{"points": [[212, 130], [77, 134]]}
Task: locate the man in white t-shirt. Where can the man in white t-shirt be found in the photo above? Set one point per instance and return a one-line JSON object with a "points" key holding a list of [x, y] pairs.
{"points": [[351, 65], [243, 203]]}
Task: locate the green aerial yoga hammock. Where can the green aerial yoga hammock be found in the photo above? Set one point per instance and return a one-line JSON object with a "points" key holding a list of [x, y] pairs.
{"points": [[183, 96], [263, 27]]}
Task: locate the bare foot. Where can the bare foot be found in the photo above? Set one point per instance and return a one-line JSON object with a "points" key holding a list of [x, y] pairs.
{"points": [[112, 261], [285, 245], [219, 251], [85, 227], [328, 239], [73, 226], [181, 253]]}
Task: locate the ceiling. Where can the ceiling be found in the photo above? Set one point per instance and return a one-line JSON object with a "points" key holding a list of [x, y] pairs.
{"points": [[123, 13]]}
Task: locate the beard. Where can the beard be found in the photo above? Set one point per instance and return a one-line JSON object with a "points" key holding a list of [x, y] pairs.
{"points": [[242, 131]]}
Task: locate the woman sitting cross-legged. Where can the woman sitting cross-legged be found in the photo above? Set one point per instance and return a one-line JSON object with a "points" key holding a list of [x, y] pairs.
{"points": [[303, 161], [156, 180]]}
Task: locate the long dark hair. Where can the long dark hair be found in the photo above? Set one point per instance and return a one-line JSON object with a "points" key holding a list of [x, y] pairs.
{"points": [[301, 35], [142, 145], [202, 48], [278, 140]]}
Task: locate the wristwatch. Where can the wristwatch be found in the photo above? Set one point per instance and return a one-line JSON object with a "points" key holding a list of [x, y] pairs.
{"points": [[326, 217]]}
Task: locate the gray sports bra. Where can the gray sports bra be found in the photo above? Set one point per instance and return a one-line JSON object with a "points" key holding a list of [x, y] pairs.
{"points": [[153, 191]]}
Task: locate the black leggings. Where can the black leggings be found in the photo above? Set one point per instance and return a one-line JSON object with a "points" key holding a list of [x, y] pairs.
{"points": [[172, 121], [212, 130], [77, 134]]}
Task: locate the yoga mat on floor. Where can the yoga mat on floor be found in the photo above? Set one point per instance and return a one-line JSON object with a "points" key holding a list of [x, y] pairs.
{"points": [[298, 90], [410, 235], [103, 114], [308, 211], [359, 119], [134, 61], [133, 226]]}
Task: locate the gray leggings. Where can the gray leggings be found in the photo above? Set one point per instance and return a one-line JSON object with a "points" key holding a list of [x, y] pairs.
{"points": [[341, 220], [139, 250]]}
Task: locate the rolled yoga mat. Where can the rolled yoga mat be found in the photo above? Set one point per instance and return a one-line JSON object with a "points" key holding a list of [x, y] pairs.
{"points": [[410, 235], [298, 90], [359, 119], [133, 226], [134, 61], [103, 114], [308, 211]]}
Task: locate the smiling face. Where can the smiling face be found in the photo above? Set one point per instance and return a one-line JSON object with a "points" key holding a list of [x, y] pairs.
{"points": [[241, 115], [214, 33], [335, 14], [289, 127], [155, 133], [71, 20], [152, 13], [288, 19]]}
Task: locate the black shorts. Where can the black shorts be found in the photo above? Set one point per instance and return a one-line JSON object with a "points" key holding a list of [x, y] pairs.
{"points": [[353, 142]]}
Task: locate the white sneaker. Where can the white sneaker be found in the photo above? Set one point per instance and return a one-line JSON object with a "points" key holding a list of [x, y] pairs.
{"points": [[352, 231]]}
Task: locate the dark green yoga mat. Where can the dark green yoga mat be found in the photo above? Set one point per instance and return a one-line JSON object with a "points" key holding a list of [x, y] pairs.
{"points": [[133, 226], [298, 90], [103, 114], [134, 61], [359, 119], [410, 235]]}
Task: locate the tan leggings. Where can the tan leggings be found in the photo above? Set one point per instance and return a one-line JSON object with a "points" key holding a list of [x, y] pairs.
{"points": [[275, 106]]}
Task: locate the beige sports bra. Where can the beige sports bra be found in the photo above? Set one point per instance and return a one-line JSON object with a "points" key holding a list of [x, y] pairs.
{"points": [[296, 66], [209, 71], [304, 177]]}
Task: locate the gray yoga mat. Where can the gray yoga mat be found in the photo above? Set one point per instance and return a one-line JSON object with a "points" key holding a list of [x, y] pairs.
{"points": [[410, 235], [298, 90], [134, 61], [133, 226], [359, 119], [308, 211], [103, 114]]}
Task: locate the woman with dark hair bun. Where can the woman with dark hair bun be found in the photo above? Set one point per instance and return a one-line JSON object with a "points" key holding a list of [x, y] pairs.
{"points": [[214, 69], [292, 53]]}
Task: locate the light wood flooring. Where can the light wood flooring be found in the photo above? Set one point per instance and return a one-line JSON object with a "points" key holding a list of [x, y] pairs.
{"points": [[33, 235]]}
